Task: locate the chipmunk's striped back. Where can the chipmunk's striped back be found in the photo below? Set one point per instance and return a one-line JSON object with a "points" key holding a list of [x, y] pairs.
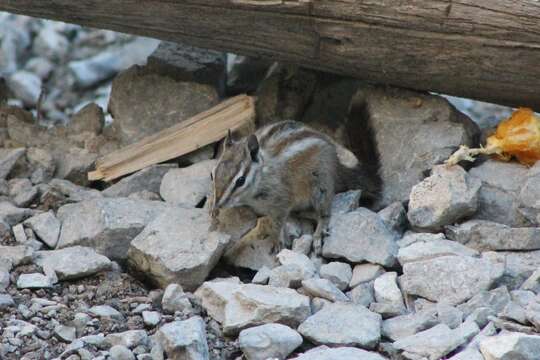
{"points": [[283, 167]]}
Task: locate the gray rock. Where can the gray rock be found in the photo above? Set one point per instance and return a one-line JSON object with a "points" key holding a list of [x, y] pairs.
{"points": [[498, 196], [533, 282], [438, 341], [252, 305], [343, 324], [135, 119], [129, 339], [413, 132], [361, 235], [302, 244], [215, 295], [472, 350], [22, 192], [174, 299], [33, 281], [6, 301], [288, 257], [518, 265], [289, 276], [495, 300], [119, 352], [40, 66], [184, 339], [43, 161], [151, 318], [529, 197], [532, 312], [188, 186], [74, 164], [177, 247], [26, 86], [387, 290], [318, 303], [269, 341], [73, 192], [449, 315], [323, 288], [106, 64], [88, 119], [445, 197], [73, 262], [514, 311], [4, 280], [8, 159], [426, 250], [341, 353], [453, 279], [395, 217], [400, 327], [147, 179], [387, 310], [485, 235], [362, 294], [107, 225], [16, 255], [106, 311], [509, 346], [338, 273], [46, 226], [262, 276], [189, 63], [19, 234], [65, 333], [363, 273], [412, 237]]}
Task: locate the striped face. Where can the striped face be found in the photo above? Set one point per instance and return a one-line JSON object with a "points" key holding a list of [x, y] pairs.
{"points": [[235, 174]]}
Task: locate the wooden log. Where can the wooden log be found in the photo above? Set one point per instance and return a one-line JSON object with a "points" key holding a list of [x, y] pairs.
{"points": [[187, 136], [482, 49]]}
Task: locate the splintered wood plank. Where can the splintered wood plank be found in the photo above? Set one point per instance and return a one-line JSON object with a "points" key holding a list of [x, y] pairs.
{"points": [[189, 135]]}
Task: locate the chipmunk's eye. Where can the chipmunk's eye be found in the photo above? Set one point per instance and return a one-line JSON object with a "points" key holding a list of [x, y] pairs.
{"points": [[240, 181]]}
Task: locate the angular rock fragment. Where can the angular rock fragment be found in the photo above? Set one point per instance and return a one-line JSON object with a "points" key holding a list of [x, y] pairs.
{"points": [[413, 132], [363, 273], [361, 235], [129, 339], [511, 346], [214, 296], [486, 235], [324, 289], [256, 305], [269, 341], [343, 324], [16, 255], [184, 339], [8, 159], [174, 299], [395, 217], [406, 325], [338, 273], [34, 281], [362, 294], [529, 197], [13, 215], [426, 250], [107, 225], [46, 226], [176, 247], [72, 262], [341, 353], [146, 179], [438, 341], [518, 265], [106, 311], [135, 119], [445, 197], [453, 279], [289, 276], [387, 290], [188, 186], [499, 193]]}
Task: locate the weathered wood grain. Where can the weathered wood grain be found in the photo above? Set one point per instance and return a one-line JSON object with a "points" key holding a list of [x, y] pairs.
{"points": [[482, 49]]}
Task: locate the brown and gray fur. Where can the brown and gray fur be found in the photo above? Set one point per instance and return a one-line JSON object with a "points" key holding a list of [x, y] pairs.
{"points": [[287, 167]]}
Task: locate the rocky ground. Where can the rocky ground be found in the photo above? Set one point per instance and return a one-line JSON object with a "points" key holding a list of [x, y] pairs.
{"points": [[446, 265]]}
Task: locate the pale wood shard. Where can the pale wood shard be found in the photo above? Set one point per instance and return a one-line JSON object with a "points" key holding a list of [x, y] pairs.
{"points": [[482, 49], [185, 137]]}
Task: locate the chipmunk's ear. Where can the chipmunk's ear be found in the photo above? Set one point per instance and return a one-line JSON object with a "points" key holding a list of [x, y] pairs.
{"points": [[253, 147], [228, 139]]}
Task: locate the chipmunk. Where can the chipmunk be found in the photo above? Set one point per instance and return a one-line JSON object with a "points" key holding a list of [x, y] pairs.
{"points": [[282, 168]]}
